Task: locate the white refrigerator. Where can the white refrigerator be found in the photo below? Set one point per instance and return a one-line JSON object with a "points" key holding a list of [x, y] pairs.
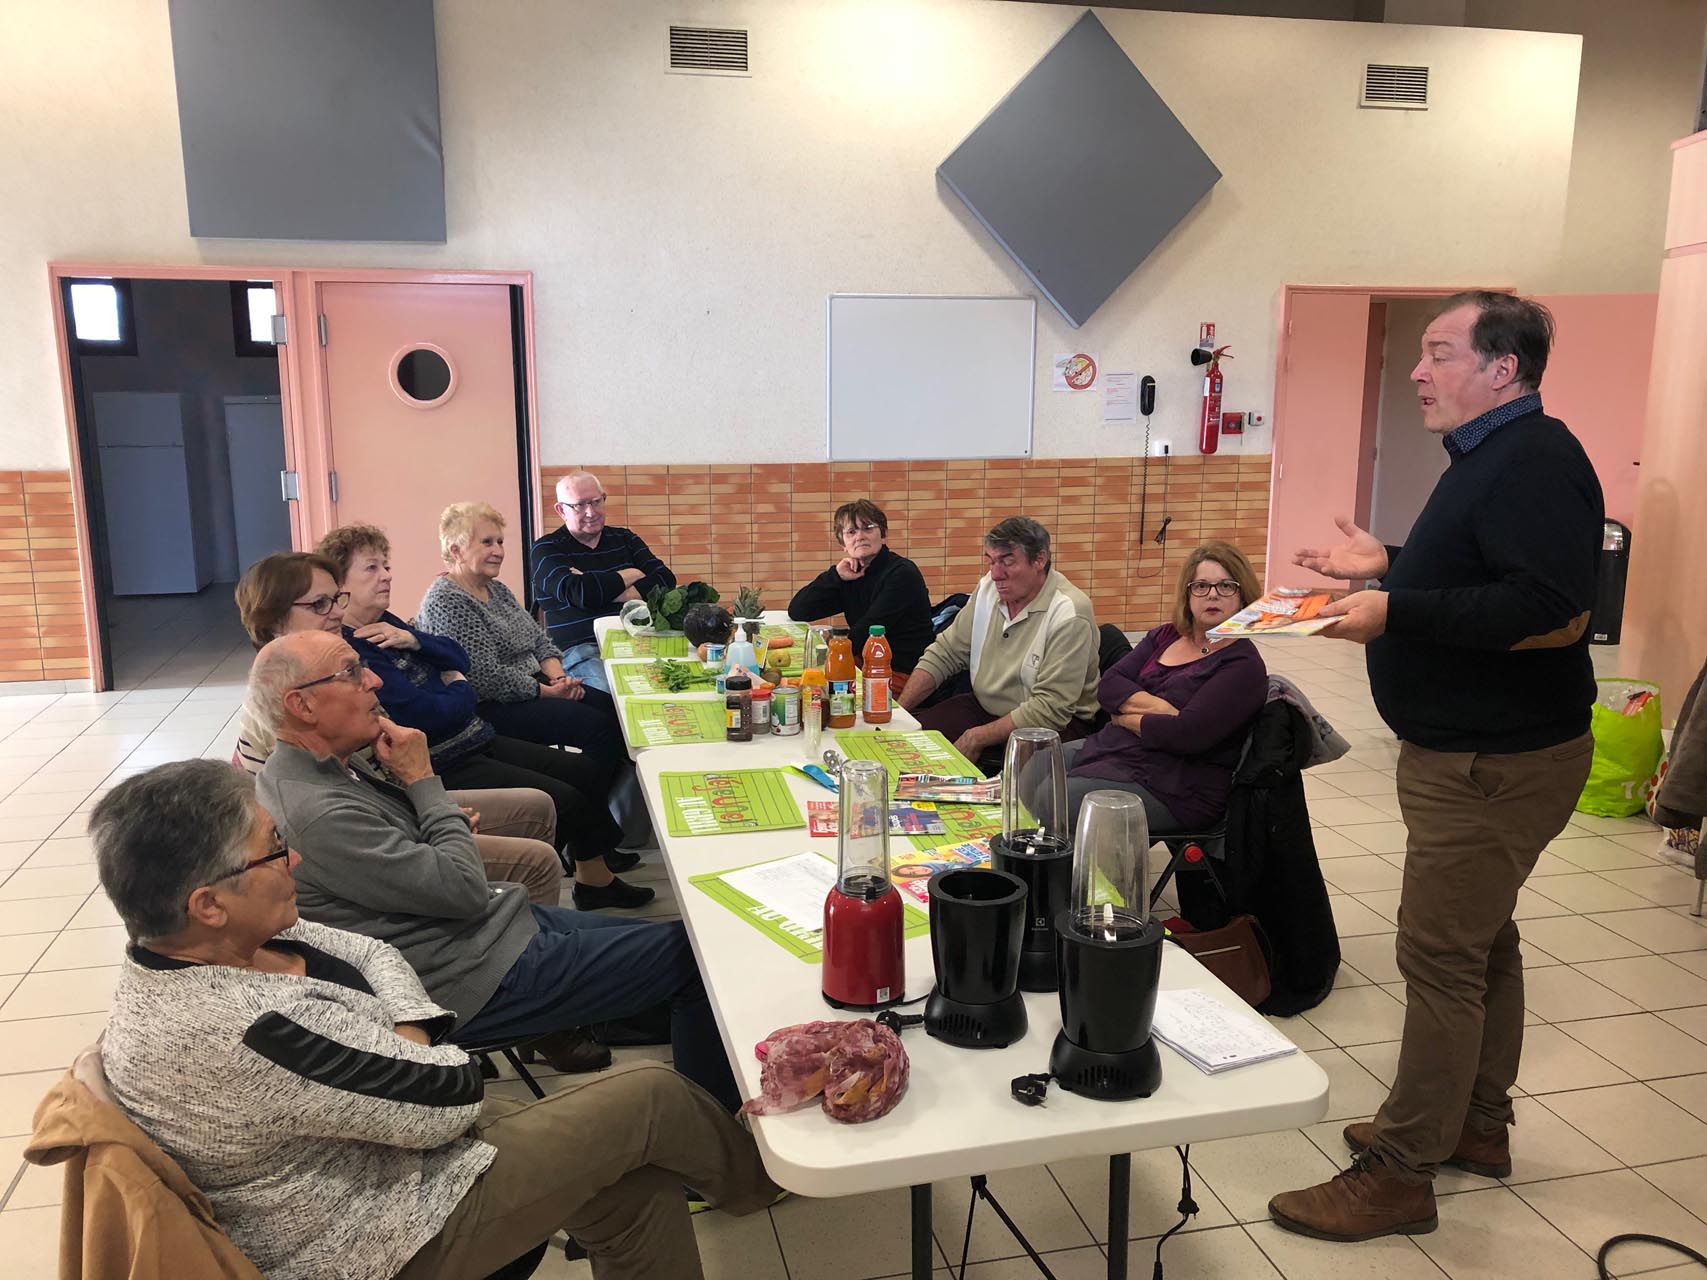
{"points": [[155, 525]]}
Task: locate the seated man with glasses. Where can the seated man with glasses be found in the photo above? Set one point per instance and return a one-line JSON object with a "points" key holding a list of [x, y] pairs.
{"points": [[1180, 704], [588, 569], [869, 585], [393, 858], [300, 1076]]}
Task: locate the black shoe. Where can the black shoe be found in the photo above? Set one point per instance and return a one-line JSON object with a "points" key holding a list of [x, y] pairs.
{"points": [[615, 894], [572, 1051], [620, 860]]}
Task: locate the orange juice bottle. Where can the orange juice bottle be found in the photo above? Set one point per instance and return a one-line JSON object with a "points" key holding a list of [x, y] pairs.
{"points": [[876, 661], [840, 671]]}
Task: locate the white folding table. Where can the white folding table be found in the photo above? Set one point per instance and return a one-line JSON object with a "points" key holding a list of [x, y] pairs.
{"points": [[957, 1118]]}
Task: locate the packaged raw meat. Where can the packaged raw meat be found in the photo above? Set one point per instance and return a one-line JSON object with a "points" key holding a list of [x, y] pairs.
{"points": [[857, 1070]]}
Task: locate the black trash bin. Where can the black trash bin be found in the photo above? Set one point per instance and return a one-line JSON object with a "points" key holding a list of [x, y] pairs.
{"points": [[1606, 624]]}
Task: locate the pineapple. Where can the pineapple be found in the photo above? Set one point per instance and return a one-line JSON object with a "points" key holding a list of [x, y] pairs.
{"points": [[748, 604]]}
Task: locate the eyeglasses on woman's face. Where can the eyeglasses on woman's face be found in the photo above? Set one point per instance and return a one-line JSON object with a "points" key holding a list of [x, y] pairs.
{"points": [[320, 606], [849, 530], [279, 850], [1201, 588]]}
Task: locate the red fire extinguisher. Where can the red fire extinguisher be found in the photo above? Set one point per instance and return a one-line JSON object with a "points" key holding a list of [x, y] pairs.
{"points": [[1209, 428]]}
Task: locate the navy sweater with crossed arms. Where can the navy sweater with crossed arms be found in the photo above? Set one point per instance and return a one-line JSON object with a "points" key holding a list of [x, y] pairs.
{"points": [[1488, 601]]}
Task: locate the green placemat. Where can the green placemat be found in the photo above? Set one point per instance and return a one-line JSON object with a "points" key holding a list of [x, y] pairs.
{"points": [[710, 804], [663, 722], [631, 678], [619, 644], [906, 751], [803, 943]]}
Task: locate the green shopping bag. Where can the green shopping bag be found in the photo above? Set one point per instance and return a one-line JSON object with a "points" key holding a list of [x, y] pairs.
{"points": [[1625, 720]]}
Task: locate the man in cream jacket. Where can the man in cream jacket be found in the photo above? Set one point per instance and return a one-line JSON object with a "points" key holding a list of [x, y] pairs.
{"points": [[1029, 639]]}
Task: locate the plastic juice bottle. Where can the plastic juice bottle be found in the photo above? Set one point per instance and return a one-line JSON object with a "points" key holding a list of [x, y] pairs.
{"points": [[814, 706], [840, 671], [876, 707]]}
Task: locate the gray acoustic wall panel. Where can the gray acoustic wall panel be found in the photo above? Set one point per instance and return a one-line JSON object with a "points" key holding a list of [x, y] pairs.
{"points": [[310, 119], [1080, 171]]}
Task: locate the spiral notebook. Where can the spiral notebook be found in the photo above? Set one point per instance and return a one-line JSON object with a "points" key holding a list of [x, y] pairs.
{"points": [[1212, 1037]]}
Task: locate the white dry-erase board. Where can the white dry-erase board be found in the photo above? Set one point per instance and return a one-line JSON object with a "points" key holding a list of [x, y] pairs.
{"points": [[929, 377]]}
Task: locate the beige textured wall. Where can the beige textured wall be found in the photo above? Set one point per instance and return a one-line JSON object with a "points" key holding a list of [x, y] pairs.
{"points": [[686, 230], [1640, 90]]}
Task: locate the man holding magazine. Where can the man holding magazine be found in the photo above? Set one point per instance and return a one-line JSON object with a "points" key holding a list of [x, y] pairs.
{"points": [[1477, 636]]}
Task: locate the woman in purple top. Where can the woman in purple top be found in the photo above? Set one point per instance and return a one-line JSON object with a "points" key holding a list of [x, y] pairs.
{"points": [[1180, 704]]}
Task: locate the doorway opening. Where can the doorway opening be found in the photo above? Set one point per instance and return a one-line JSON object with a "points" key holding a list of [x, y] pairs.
{"points": [[176, 389]]}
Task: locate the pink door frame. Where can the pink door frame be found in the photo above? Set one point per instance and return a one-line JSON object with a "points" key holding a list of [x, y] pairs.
{"points": [[302, 390], [1336, 504]]}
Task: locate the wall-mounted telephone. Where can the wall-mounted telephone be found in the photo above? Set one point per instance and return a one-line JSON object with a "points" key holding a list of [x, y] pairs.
{"points": [[1146, 395]]}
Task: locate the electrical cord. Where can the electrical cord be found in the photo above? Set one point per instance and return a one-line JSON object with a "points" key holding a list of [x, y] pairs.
{"points": [[1632, 1237], [1144, 506], [1187, 1206]]}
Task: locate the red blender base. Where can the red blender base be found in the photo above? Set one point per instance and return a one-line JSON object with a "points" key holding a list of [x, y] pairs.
{"points": [[863, 964]]}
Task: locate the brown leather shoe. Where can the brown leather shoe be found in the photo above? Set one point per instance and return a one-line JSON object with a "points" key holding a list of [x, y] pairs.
{"points": [[1488, 1155], [1366, 1201]]}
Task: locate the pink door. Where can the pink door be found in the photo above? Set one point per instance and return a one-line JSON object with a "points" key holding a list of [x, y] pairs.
{"points": [[1318, 426], [1597, 383], [421, 404]]}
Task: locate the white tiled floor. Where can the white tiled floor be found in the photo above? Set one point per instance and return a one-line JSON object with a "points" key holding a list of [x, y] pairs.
{"points": [[1612, 1130]]}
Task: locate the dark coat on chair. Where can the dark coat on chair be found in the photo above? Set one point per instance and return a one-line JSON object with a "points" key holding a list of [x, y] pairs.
{"points": [[1270, 869]]}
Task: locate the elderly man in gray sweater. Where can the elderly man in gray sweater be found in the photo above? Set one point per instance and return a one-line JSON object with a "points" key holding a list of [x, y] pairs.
{"points": [[393, 858], [299, 1076]]}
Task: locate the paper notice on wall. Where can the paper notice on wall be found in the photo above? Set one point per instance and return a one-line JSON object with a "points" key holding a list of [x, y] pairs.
{"points": [[1075, 371], [1120, 397]]}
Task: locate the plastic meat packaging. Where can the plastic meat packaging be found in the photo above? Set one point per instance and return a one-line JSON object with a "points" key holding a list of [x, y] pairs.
{"points": [[857, 1070]]}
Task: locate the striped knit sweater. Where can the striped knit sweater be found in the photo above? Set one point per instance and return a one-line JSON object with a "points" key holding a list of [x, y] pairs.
{"points": [[330, 1147]]}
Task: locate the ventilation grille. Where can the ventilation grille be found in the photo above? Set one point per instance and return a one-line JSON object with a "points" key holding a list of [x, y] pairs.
{"points": [[1385, 85], [708, 51]]}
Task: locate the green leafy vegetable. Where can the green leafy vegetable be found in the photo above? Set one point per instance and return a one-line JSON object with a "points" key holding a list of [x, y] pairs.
{"points": [[669, 605]]}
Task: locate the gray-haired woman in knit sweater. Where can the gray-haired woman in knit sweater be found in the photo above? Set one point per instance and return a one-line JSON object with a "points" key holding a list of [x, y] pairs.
{"points": [[297, 1074]]}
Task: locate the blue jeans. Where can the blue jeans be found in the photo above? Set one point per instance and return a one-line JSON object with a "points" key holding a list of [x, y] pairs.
{"points": [[582, 968], [583, 662]]}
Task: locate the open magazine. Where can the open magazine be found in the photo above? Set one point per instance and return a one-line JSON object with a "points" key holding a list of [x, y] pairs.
{"points": [[948, 789], [1285, 611]]}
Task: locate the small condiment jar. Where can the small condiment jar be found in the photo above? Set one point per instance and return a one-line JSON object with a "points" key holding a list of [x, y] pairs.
{"points": [[738, 709]]}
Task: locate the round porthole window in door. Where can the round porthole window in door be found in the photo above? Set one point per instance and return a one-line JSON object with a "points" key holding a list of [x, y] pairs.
{"points": [[423, 376]]}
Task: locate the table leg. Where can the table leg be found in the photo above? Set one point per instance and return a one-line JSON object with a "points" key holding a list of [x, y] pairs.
{"points": [[924, 1246], [1119, 1193]]}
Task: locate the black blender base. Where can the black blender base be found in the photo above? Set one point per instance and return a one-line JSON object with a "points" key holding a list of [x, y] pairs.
{"points": [[1111, 1076], [975, 1026], [1037, 970]]}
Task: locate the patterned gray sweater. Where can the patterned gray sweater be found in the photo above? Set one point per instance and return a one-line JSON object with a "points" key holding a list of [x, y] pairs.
{"points": [[505, 645], [331, 1147]]}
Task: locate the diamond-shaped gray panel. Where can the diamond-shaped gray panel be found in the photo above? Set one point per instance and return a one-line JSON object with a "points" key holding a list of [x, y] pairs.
{"points": [[1080, 171]]}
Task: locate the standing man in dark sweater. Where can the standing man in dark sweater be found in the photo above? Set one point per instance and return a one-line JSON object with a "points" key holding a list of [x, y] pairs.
{"points": [[586, 570], [1478, 659], [871, 585]]}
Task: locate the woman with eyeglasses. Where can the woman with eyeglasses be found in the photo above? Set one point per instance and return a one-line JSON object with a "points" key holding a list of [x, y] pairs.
{"points": [[870, 585], [294, 591], [1180, 704]]}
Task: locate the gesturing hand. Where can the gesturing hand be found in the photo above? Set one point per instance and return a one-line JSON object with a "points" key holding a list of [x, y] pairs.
{"points": [[403, 752], [849, 569], [1360, 556]]}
